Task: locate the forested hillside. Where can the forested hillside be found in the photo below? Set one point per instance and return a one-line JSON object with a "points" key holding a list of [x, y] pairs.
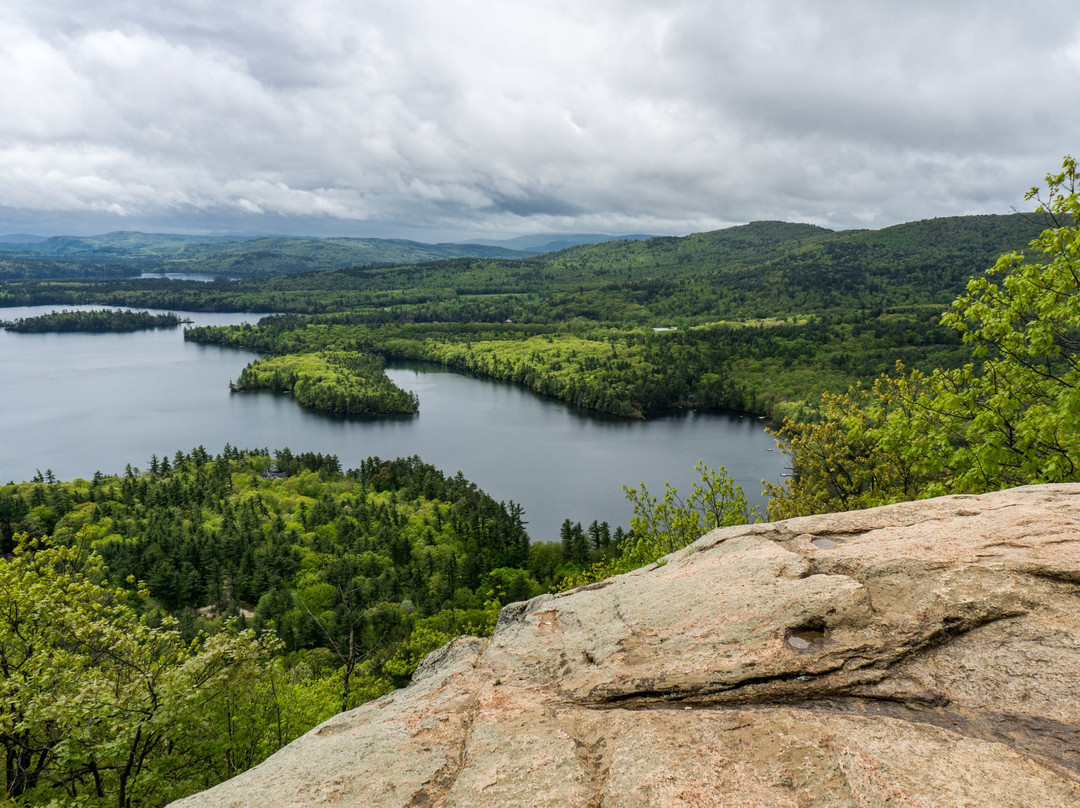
{"points": [[766, 316], [357, 574], [228, 531], [927, 257], [168, 627], [125, 253], [26, 267]]}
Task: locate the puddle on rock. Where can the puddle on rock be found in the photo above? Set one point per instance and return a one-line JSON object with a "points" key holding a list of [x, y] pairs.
{"points": [[823, 543], [802, 638]]}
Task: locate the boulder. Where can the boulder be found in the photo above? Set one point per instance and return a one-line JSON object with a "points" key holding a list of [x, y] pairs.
{"points": [[920, 654]]}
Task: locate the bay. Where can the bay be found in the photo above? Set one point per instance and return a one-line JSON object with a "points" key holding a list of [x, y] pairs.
{"points": [[79, 403]]}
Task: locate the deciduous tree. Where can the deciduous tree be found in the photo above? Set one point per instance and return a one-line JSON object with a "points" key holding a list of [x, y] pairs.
{"points": [[662, 526], [1011, 417]]}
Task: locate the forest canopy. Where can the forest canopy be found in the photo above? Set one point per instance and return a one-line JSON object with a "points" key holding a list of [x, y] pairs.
{"points": [[1009, 416], [92, 321], [343, 382], [165, 628], [766, 316], [225, 604]]}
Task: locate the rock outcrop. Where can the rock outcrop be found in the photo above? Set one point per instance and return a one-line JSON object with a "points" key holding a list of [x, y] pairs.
{"points": [[921, 654]]}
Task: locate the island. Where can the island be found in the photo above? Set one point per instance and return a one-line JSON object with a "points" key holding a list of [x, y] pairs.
{"points": [[105, 320], [342, 382]]}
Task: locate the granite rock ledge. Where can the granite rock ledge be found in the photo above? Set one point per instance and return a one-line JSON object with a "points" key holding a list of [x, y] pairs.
{"points": [[920, 654]]}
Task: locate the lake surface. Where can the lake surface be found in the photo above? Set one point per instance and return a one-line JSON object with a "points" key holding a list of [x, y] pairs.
{"points": [[181, 276], [79, 403]]}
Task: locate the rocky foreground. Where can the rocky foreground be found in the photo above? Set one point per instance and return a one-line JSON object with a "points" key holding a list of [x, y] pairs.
{"points": [[922, 654]]}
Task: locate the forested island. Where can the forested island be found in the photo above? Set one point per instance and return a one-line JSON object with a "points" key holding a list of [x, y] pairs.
{"points": [[173, 625], [116, 320], [343, 382]]}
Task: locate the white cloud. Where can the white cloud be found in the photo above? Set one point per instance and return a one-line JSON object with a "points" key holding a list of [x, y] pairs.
{"points": [[468, 118]]}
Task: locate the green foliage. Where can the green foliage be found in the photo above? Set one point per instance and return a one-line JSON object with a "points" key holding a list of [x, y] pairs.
{"points": [[348, 383], [762, 265], [845, 458], [1010, 417], [432, 633], [278, 590], [768, 367], [360, 575], [769, 315], [30, 267], [93, 321], [102, 708], [764, 269], [578, 370], [115, 253], [662, 526], [327, 559]]}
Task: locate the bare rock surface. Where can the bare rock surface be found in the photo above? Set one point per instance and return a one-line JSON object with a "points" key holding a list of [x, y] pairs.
{"points": [[921, 654]]}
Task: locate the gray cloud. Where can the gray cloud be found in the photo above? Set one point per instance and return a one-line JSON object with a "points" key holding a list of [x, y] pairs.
{"points": [[441, 120]]}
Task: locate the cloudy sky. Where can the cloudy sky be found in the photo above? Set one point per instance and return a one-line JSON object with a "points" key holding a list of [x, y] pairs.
{"points": [[456, 119]]}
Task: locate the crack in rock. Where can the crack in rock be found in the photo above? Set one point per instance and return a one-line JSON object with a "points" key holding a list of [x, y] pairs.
{"points": [[867, 658]]}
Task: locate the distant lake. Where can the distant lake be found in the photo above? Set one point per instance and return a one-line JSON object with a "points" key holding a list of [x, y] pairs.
{"points": [[79, 403], [181, 276]]}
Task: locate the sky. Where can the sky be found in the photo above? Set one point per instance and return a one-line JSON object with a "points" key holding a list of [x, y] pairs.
{"points": [[451, 120]]}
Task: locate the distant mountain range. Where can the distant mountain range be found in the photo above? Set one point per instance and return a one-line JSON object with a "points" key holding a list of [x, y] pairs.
{"points": [[753, 271], [126, 254], [21, 238], [129, 253], [552, 242], [759, 254]]}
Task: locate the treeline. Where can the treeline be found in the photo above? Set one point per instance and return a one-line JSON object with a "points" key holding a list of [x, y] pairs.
{"points": [[769, 367], [228, 531], [126, 252], [248, 531], [343, 382], [267, 535], [93, 321], [768, 316], [344, 581], [218, 296], [23, 267], [764, 269], [165, 629], [1009, 415]]}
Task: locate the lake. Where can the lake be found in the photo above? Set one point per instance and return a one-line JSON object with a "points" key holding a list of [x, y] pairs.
{"points": [[80, 403], [181, 276]]}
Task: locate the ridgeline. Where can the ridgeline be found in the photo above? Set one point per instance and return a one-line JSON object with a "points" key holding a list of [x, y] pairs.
{"points": [[763, 317]]}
